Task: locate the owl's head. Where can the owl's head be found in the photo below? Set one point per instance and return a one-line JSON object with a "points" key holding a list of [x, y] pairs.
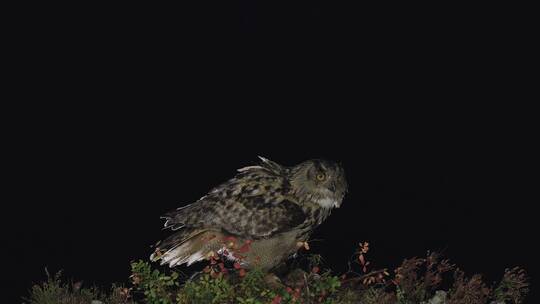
{"points": [[319, 181]]}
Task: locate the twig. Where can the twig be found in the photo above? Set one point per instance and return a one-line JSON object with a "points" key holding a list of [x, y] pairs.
{"points": [[367, 275]]}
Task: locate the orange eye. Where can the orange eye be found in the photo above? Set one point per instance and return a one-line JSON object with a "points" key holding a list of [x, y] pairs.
{"points": [[321, 176]]}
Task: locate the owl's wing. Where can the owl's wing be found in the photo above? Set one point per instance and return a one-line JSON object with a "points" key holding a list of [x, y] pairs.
{"points": [[250, 217], [252, 205]]}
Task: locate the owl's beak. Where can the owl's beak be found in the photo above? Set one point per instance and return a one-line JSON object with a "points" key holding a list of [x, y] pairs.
{"points": [[332, 187]]}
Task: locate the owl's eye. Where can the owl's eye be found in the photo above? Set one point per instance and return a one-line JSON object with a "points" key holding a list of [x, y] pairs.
{"points": [[321, 176]]}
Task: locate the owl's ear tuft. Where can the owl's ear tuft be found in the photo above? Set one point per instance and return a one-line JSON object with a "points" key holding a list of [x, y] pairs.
{"points": [[264, 159], [273, 166]]}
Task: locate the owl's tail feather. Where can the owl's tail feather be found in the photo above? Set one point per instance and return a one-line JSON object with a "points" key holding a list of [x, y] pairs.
{"points": [[185, 246]]}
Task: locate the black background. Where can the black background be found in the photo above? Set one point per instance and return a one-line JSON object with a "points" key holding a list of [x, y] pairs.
{"points": [[124, 113]]}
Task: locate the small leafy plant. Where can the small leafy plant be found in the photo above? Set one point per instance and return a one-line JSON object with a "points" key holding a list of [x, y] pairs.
{"points": [[158, 288], [56, 291], [427, 280]]}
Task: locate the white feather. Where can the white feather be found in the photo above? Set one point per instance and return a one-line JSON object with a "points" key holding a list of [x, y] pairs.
{"points": [[180, 208], [249, 168], [172, 262], [178, 227], [328, 203], [175, 255], [230, 256], [264, 159], [197, 256]]}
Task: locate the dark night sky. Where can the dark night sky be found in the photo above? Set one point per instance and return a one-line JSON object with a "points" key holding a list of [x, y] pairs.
{"points": [[394, 98]]}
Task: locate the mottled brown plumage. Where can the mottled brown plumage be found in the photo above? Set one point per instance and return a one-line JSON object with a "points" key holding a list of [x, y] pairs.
{"points": [[258, 218]]}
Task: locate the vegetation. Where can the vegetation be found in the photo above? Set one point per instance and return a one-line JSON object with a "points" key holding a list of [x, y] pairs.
{"points": [[56, 291], [428, 280]]}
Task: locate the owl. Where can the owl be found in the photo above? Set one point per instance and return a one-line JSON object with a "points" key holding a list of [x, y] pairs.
{"points": [[259, 218]]}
